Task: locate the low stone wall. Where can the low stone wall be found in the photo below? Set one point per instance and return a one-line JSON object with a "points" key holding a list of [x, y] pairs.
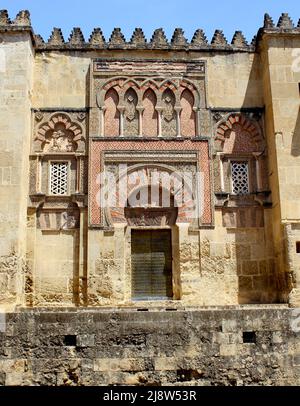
{"points": [[220, 346]]}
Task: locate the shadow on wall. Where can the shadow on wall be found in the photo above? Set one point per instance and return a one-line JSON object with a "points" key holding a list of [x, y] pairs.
{"points": [[260, 278], [255, 266], [295, 148]]}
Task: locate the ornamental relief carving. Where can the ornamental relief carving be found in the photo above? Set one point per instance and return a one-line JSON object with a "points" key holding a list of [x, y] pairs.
{"points": [[59, 141], [168, 99], [169, 127], [151, 217], [59, 132], [131, 124]]}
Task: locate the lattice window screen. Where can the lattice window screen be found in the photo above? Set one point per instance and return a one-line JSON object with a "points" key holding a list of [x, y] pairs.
{"points": [[59, 178], [240, 178]]}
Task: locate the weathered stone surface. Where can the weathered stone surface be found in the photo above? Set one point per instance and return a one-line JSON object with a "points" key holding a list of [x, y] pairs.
{"points": [[159, 39], [268, 22], [97, 37], [149, 105], [219, 38], [4, 18], [138, 38], [76, 37], [117, 39], [285, 21], [56, 37], [239, 40], [178, 39], [205, 347], [199, 39]]}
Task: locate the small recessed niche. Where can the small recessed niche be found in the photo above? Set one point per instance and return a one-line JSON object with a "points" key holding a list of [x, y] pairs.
{"points": [[249, 337], [299, 88], [298, 247], [70, 341]]}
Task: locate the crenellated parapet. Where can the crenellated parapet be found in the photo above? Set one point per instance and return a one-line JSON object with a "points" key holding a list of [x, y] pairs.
{"points": [[21, 21], [285, 25], [158, 40]]}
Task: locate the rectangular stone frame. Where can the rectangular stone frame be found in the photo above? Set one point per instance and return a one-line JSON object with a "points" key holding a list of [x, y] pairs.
{"points": [[99, 146]]}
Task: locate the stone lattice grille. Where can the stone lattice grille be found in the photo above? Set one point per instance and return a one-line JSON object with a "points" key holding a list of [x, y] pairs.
{"points": [[240, 178], [59, 178]]}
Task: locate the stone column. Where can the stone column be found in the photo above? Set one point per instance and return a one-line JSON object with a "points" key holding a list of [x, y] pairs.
{"points": [[121, 110], [178, 126], [258, 171], [159, 117], [198, 121], [140, 110], [221, 172], [102, 122], [39, 174]]}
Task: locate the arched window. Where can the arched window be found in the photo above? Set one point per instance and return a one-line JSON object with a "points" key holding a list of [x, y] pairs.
{"points": [[188, 120], [150, 121], [111, 115]]}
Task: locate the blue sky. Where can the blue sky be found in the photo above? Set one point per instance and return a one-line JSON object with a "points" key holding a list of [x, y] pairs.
{"points": [[229, 15]]}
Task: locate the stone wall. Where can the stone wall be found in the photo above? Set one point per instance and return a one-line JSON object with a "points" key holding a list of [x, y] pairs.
{"points": [[225, 346], [56, 276], [15, 129], [281, 93], [240, 251], [61, 78]]}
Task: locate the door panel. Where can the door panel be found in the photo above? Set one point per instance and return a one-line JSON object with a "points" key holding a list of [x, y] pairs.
{"points": [[151, 259]]}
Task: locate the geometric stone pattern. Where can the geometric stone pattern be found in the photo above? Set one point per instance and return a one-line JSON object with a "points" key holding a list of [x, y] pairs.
{"points": [[59, 178], [236, 133], [240, 178]]}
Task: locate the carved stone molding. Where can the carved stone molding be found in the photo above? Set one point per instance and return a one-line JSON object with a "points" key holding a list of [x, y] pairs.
{"points": [[144, 217]]}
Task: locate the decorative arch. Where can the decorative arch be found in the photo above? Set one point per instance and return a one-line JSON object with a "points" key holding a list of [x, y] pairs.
{"points": [[188, 116], [149, 83], [238, 134], [168, 84], [186, 84], [150, 116], [131, 119], [59, 134], [111, 113], [137, 178], [114, 82], [130, 82]]}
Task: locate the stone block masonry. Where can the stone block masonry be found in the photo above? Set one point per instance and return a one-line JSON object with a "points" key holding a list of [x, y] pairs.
{"points": [[215, 266], [217, 346]]}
